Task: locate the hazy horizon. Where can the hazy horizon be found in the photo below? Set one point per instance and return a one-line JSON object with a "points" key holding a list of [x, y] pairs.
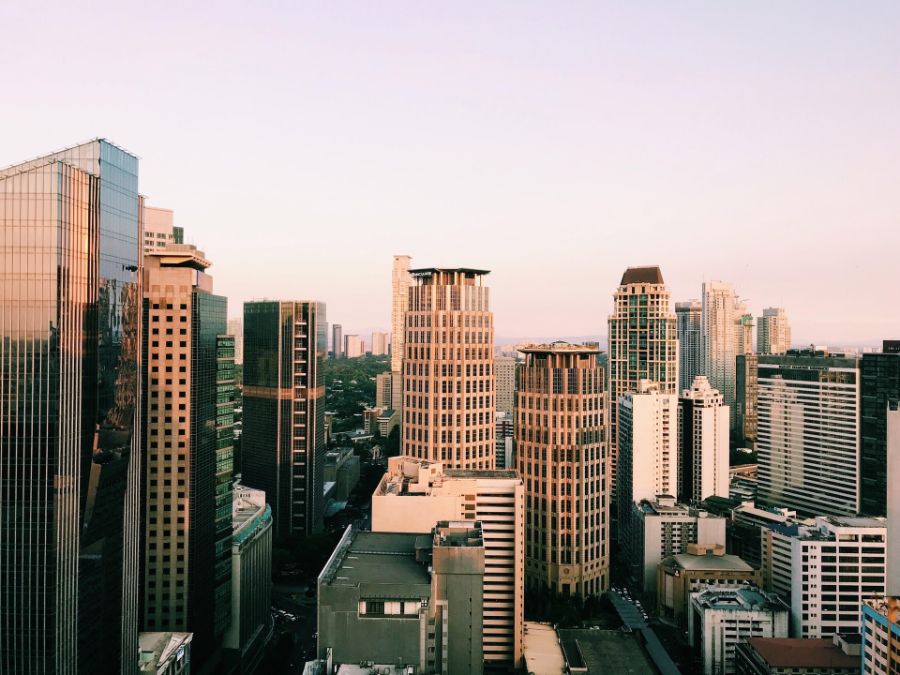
{"points": [[302, 146]]}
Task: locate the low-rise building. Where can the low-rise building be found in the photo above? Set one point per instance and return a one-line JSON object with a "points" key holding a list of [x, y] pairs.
{"points": [[165, 653], [795, 656], [723, 617], [747, 523], [682, 575], [405, 599], [663, 528], [342, 468], [251, 579], [825, 571], [880, 647]]}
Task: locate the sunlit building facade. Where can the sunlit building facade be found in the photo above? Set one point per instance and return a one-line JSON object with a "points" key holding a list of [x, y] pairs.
{"points": [[719, 340], [773, 331], [448, 382], [560, 435], [70, 336]]}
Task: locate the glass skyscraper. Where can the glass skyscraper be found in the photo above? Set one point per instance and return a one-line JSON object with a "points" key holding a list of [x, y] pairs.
{"points": [[70, 293], [283, 439], [879, 388]]}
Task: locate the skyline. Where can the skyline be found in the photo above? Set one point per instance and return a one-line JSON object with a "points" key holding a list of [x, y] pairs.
{"points": [[748, 144]]}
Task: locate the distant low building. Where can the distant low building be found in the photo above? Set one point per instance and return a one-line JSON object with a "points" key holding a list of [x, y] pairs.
{"points": [[795, 656], [680, 576], [165, 653], [723, 617]]}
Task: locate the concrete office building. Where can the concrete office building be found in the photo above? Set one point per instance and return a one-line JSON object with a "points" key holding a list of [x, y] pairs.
{"points": [[808, 433], [70, 302], [505, 429], [188, 426], [414, 494], [746, 398], [337, 341], [379, 345], [383, 390], [839, 655], [743, 329], [747, 523], [678, 577], [703, 438], [505, 376], [722, 618], [560, 417], [773, 332], [342, 469], [448, 390], [879, 391], [251, 579], [405, 599], [881, 615], [401, 280], [159, 226], [688, 316], [648, 448], [165, 653], [663, 528], [643, 345], [283, 440], [824, 571], [718, 341], [354, 347]]}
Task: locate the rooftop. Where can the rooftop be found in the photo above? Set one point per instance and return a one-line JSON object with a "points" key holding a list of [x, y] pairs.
{"points": [[428, 271], [642, 275], [481, 473], [802, 653], [158, 648], [542, 651], [561, 347], [374, 557], [604, 651], [738, 599], [706, 562]]}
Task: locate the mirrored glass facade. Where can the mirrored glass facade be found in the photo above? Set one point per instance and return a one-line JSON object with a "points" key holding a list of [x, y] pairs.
{"points": [[69, 396]]}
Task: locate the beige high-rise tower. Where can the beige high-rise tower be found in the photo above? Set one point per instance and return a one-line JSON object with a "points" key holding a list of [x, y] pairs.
{"points": [[560, 447], [719, 344], [773, 334], [400, 283], [448, 369], [643, 344]]}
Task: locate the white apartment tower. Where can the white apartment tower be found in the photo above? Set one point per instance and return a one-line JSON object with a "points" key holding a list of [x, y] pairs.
{"points": [[414, 494], [718, 340], [688, 316], [703, 432], [449, 407], [825, 571], [773, 332], [643, 344]]}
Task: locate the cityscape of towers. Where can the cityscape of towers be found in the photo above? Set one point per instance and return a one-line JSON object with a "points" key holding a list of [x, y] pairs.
{"points": [[129, 374]]}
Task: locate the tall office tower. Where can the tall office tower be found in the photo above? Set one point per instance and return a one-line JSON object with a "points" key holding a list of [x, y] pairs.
{"points": [[825, 570], [879, 391], [808, 435], [187, 501], [448, 388], [773, 332], [354, 347], [236, 330], [505, 369], [746, 394], [688, 318], [718, 339], [70, 336], [379, 344], [743, 330], [337, 341], [158, 228], [415, 494], [561, 458], [383, 390], [400, 283], [283, 440], [505, 429], [703, 438], [643, 345]]}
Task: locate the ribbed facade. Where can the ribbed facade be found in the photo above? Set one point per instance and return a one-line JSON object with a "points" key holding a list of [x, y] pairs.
{"points": [[689, 321], [560, 435], [70, 292], [643, 344], [283, 439], [448, 382]]}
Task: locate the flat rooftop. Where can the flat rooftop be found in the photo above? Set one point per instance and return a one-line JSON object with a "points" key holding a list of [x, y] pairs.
{"points": [[376, 557], [707, 563], [560, 347], [802, 653], [542, 651], [604, 651], [739, 599]]}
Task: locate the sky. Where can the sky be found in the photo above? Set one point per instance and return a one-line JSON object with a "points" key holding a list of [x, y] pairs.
{"points": [[302, 144]]}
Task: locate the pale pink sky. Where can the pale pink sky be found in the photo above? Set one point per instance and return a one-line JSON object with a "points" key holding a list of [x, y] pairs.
{"points": [[302, 144]]}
